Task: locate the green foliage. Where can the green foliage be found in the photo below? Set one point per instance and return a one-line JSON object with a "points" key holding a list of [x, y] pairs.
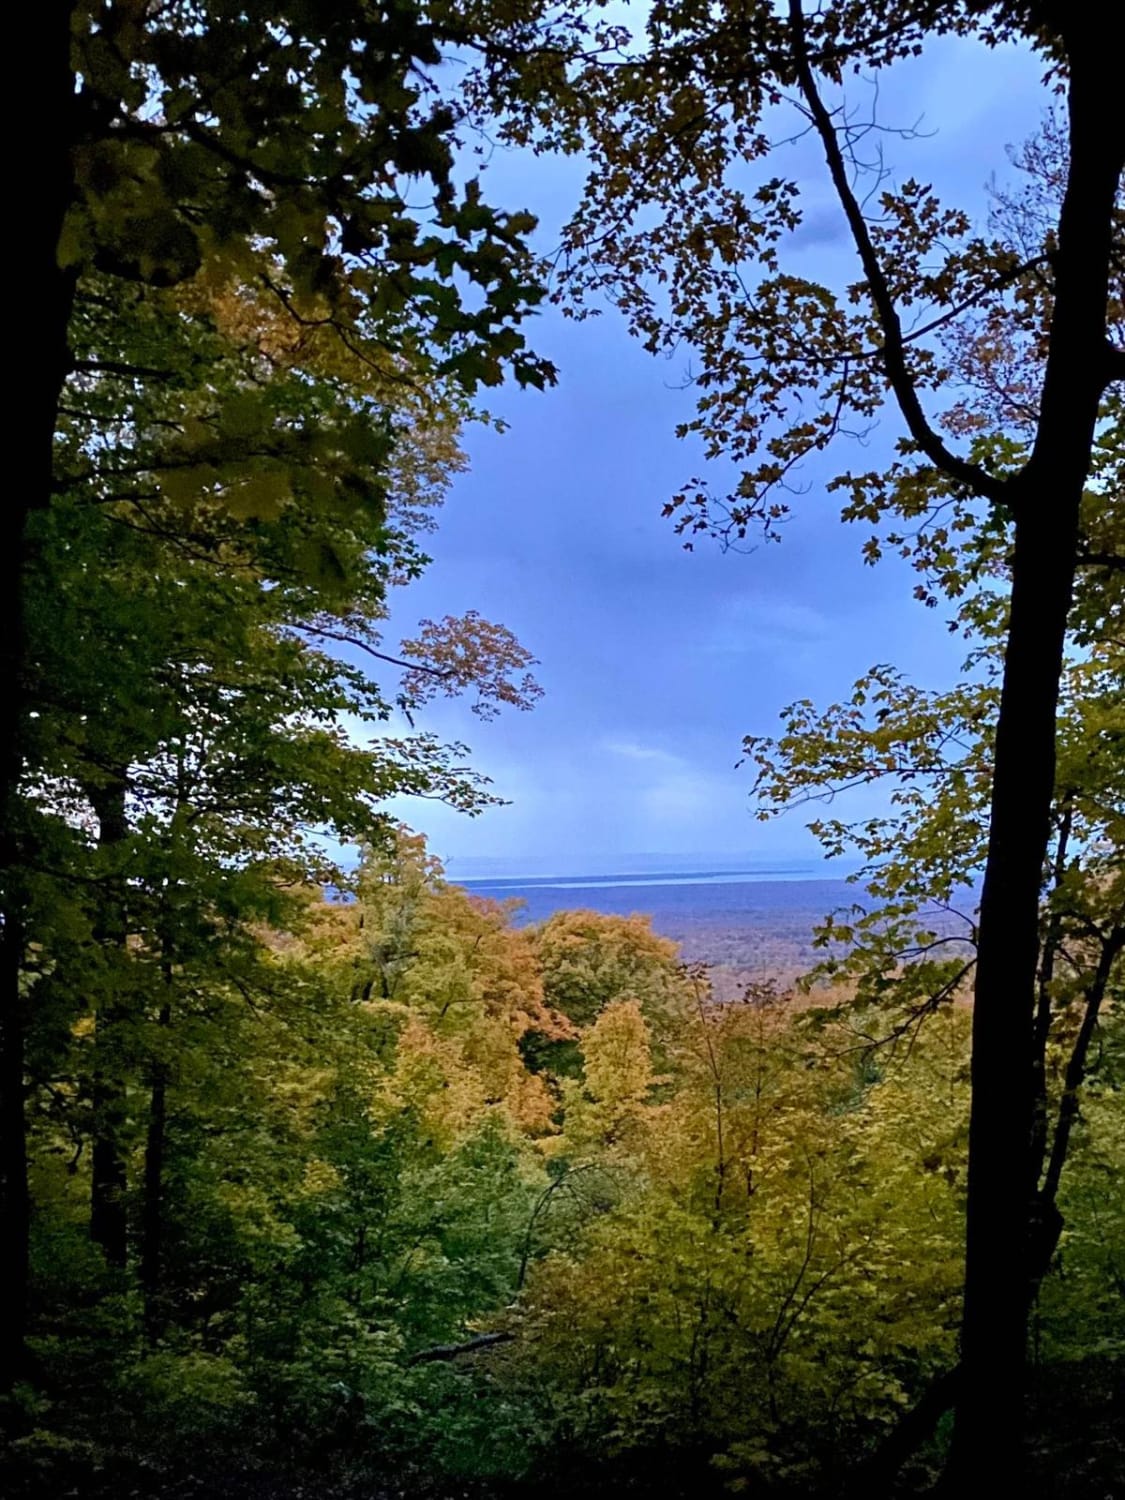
{"points": [[590, 960], [732, 1239], [306, 152]]}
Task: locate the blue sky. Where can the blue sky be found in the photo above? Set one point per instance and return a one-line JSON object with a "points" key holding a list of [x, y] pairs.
{"points": [[657, 661]]}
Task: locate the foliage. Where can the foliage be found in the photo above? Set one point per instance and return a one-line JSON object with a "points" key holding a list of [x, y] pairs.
{"points": [[730, 1238], [266, 295], [383, 1182], [277, 149]]}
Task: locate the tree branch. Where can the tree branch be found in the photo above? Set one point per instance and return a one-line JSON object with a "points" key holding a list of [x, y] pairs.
{"points": [[1113, 561], [118, 367], [894, 346], [875, 1474], [1076, 1067], [394, 661]]}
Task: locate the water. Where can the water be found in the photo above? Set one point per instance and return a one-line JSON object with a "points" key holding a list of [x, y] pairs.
{"points": [[756, 924], [674, 901]]}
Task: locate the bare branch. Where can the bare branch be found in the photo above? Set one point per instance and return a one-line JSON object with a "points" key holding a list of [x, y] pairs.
{"points": [[394, 661]]}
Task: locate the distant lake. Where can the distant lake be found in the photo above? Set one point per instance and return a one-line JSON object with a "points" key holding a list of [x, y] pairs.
{"points": [[753, 923], [676, 902]]}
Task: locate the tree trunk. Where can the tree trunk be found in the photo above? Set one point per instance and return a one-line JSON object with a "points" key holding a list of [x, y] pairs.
{"points": [[156, 1142], [49, 290], [1000, 1195], [108, 1183], [988, 1445], [152, 1213], [15, 1203]]}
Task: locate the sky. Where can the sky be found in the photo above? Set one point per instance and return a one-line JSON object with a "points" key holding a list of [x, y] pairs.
{"points": [[656, 661]]}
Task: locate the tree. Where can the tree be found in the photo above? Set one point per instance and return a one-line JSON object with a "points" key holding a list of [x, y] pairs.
{"points": [[274, 148], [591, 960], [777, 1262], [686, 223], [252, 167], [186, 709], [916, 946]]}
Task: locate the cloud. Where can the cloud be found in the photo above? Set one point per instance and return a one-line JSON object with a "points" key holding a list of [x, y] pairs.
{"points": [[631, 750], [755, 624]]}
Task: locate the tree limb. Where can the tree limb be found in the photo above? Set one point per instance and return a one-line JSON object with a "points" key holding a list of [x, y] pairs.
{"points": [[1076, 1067], [874, 1475], [119, 367], [894, 347], [394, 661]]}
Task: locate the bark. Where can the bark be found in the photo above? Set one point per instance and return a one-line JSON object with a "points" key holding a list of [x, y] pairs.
{"points": [[108, 1180], [152, 1212], [49, 291], [15, 1204], [1001, 1212]]}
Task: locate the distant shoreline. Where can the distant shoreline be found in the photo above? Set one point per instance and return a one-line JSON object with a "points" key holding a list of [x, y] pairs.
{"points": [[755, 922], [640, 879], [758, 921]]}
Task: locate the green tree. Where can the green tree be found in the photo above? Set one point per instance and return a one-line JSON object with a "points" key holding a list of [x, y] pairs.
{"points": [[192, 740], [591, 960], [265, 157]]}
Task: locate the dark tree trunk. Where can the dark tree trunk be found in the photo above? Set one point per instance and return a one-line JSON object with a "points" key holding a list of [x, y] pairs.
{"points": [[153, 1218], [152, 1213], [49, 291], [15, 1203], [108, 1182], [991, 1391], [988, 1437]]}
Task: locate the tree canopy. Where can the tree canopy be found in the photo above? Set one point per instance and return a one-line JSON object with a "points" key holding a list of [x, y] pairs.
{"points": [[336, 1162]]}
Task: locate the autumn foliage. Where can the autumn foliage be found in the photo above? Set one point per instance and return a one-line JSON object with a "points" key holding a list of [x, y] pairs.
{"points": [[718, 1243]]}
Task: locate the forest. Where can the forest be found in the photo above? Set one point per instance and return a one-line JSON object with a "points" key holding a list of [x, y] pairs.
{"points": [[320, 1176]]}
